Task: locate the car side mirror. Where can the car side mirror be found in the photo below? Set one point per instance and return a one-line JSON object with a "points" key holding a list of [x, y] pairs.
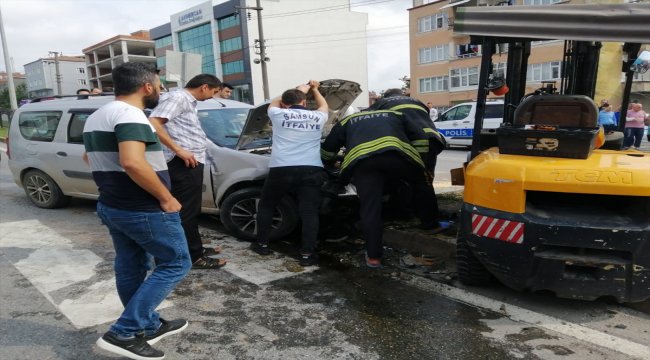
{"points": [[642, 63]]}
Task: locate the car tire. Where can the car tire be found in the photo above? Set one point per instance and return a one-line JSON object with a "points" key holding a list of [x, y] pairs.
{"points": [[238, 215], [42, 191], [470, 269]]}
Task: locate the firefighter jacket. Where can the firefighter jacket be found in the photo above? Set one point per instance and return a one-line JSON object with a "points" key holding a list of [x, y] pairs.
{"points": [[373, 132], [415, 111]]}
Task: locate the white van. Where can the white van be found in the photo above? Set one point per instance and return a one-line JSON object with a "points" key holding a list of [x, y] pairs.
{"points": [[45, 149], [457, 123]]}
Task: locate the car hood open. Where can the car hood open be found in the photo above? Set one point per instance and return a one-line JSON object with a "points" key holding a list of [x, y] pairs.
{"points": [[339, 95]]}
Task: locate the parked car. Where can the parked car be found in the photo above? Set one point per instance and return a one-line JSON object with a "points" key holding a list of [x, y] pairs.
{"points": [[45, 149], [457, 123]]}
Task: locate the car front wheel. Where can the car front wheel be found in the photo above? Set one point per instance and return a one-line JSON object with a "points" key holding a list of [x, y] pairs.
{"points": [[42, 191], [238, 214]]}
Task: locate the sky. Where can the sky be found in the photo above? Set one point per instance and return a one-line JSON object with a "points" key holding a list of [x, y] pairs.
{"points": [[35, 27]]}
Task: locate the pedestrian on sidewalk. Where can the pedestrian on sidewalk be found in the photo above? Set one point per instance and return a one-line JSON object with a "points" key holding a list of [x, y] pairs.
{"points": [[177, 125], [141, 214], [634, 126], [295, 166]]}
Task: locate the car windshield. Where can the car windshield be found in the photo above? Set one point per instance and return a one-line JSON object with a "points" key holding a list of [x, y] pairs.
{"points": [[224, 126]]}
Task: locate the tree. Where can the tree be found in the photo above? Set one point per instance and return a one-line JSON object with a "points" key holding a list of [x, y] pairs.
{"points": [[21, 94], [407, 83]]}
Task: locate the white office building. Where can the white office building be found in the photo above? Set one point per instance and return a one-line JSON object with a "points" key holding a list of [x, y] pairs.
{"points": [[41, 76], [304, 40]]}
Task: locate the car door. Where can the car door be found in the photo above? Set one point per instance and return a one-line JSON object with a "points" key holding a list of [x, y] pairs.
{"points": [[36, 140], [69, 155], [456, 125]]}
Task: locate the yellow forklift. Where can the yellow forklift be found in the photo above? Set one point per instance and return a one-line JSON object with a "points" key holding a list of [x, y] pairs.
{"points": [[550, 203]]}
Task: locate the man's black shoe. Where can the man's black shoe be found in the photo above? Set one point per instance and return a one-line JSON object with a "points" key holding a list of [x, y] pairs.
{"points": [[308, 260], [261, 248], [133, 348], [166, 328]]}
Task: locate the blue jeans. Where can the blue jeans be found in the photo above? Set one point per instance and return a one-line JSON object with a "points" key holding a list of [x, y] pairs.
{"points": [[633, 136], [137, 235]]}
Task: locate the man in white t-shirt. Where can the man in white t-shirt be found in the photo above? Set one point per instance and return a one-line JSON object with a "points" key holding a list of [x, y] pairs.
{"points": [[433, 112], [295, 166]]}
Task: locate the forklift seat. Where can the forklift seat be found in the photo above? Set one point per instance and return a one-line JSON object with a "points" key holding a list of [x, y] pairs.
{"points": [[565, 111]]}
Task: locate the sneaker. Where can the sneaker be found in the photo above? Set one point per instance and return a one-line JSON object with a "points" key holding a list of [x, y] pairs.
{"points": [[261, 248], [308, 259], [166, 328], [135, 348]]}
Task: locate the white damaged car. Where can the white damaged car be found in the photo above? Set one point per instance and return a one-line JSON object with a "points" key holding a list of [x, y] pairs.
{"points": [[45, 147]]}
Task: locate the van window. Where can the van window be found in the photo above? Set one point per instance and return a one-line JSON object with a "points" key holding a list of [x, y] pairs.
{"points": [[76, 128], [39, 125], [494, 111], [458, 113]]}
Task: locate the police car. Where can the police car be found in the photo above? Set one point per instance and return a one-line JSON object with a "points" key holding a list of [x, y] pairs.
{"points": [[457, 123]]}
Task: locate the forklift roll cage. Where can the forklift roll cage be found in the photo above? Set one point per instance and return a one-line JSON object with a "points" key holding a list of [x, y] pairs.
{"points": [[582, 27]]}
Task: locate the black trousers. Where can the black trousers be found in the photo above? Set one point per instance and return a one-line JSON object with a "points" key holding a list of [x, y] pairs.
{"points": [[187, 188], [305, 182], [370, 175]]}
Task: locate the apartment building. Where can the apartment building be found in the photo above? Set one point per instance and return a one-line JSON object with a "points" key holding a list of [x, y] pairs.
{"points": [[19, 79], [303, 40], [45, 76], [444, 67], [104, 56]]}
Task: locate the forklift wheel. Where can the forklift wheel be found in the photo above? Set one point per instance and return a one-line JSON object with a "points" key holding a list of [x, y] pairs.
{"points": [[470, 270]]}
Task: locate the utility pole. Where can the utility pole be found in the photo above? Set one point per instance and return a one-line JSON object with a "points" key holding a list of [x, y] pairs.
{"points": [[58, 74], [262, 48], [10, 71]]}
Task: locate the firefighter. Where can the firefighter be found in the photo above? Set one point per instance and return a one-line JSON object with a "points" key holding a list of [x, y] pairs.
{"points": [[381, 146]]}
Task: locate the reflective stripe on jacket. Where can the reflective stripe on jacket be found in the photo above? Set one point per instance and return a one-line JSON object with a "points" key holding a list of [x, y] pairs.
{"points": [[372, 132]]}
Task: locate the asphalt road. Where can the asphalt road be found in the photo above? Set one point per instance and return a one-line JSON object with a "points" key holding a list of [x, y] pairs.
{"points": [[58, 297]]}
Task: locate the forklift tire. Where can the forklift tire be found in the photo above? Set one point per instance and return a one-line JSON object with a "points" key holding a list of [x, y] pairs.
{"points": [[470, 270]]}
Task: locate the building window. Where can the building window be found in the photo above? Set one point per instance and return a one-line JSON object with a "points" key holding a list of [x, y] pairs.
{"points": [[233, 67], [242, 93], [540, 2], [198, 40], [467, 50], [431, 54], [228, 22], [544, 71], [499, 70], [231, 44], [81, 70], [463, 77], [161, 62], [162, 42], [434, 84], [81, 82], [434, 22]]}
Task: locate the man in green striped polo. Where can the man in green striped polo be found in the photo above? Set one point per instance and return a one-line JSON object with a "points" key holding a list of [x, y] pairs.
{"points": [[141, 214]]}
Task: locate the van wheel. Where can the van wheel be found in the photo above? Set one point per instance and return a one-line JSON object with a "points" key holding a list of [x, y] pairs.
{"points": [[470, 270], [42, 191], [238, 214]]}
